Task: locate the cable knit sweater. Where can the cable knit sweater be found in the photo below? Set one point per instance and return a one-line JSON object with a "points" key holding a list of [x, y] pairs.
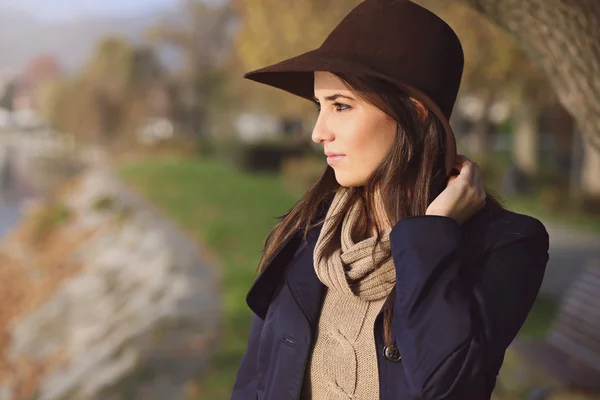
{"points": [[343, 360]]}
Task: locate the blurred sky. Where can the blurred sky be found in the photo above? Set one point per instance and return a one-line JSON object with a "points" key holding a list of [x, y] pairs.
{"points": [[67, 9]]}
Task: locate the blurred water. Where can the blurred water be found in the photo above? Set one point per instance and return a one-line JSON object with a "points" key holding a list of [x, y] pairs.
{"points": [[10, 212], [10, 191]]}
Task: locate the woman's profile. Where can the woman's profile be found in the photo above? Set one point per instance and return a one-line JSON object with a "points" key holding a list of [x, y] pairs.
{"points": [[397, 275]]}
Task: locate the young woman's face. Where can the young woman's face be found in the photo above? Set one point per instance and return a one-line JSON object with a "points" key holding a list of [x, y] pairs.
{"points": [[350, 126]]}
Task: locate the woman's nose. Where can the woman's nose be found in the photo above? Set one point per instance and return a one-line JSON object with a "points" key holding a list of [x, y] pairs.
{"points": [[321, 132]]}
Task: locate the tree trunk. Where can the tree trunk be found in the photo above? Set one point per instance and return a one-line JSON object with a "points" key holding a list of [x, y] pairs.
{"points": [[479, 134], [575, 186], [590, 170], [560, 125], [562, 36], [526, 137]]}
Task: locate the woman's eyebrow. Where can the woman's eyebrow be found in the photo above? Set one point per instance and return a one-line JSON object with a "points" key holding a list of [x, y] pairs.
{"points": [[334, 97]]}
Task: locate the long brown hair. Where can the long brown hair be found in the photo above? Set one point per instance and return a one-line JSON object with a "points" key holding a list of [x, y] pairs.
{"points": [[410, 177]]}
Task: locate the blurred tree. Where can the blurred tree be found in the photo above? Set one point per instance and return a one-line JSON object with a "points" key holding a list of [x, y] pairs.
{"points": [[146, 70], [72, 106], [512, 75], [562, 37], [6, 100], [110, 69], [109, 100], [274, 30], [53, 98], [202, 35]]}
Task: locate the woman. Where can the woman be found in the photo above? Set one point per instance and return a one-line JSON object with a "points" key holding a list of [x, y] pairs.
{"points": [[396, 276]]}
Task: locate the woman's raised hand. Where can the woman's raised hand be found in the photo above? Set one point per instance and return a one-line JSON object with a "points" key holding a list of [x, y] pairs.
{"points": [[464, 194]]}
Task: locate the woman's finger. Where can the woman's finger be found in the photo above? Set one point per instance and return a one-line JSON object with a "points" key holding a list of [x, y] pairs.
{"points": [[468, 169], [458, 162]]}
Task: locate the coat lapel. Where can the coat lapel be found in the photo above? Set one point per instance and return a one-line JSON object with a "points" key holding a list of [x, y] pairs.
{"points": [[261, 292], [304, 284], [303, 278], [293, 261]]}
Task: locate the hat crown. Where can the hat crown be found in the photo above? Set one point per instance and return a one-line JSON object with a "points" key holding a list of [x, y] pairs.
{"points": [[404, 40]]}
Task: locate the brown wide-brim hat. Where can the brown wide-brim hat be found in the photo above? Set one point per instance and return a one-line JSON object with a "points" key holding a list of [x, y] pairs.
{"points": [[395, 40]]}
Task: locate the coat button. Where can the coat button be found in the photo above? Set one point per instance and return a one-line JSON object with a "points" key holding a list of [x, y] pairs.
{"points": [[391, 353]]}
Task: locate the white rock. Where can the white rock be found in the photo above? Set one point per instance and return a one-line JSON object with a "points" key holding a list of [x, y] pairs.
{"points": [[143, 295]]}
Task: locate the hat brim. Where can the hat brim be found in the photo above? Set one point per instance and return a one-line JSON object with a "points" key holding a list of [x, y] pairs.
{"points": [[296, 75]]}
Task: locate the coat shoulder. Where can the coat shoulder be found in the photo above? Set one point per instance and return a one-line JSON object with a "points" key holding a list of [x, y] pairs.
{"points": [[502, 226], [518, 224]]}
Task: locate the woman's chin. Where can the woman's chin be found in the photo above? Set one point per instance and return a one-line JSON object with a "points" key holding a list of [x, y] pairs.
{"points": [[347, 181]]}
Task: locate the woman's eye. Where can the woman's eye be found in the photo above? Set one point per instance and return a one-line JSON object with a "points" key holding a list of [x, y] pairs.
{"points": [[338, 105]]}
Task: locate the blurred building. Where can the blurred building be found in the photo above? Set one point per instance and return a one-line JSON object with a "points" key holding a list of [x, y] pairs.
{"points": [[256, 126], [158, 125], [41, 70]]}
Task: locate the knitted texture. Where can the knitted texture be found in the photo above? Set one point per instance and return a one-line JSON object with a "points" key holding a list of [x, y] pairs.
{"points": [[343, 361]]}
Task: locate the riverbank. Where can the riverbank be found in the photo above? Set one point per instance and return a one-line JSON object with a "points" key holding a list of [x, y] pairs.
{"points": [[103, 297]]}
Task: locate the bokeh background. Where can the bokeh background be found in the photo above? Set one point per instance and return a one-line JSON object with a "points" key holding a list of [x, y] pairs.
{"points": [[140, 174]]}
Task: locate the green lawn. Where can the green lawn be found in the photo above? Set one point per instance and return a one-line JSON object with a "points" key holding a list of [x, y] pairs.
{"points": [[230, 212], [569, 218], [540, 318]]}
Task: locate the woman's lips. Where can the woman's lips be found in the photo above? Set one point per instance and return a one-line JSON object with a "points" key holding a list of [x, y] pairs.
{"points": [[334, 159]]}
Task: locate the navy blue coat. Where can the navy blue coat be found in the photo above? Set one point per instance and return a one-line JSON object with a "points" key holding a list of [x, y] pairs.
{"points": [[462, 294]]}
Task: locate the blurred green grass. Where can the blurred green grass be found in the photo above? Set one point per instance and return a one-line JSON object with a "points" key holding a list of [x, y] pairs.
{"points": [[230, 212], [566, 217], [540, 318]]}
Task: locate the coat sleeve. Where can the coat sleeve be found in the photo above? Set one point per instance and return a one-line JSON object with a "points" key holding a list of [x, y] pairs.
{"points": [[452, 334], [244, 387]]}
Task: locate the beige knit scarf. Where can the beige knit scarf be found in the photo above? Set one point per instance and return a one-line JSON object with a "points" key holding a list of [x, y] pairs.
{"points": [[354, 256], [343, 362]]}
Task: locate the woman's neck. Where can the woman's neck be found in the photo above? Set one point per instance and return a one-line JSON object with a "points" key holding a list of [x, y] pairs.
{"points": [[371, 228], [378, 213], [371, 231]]}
